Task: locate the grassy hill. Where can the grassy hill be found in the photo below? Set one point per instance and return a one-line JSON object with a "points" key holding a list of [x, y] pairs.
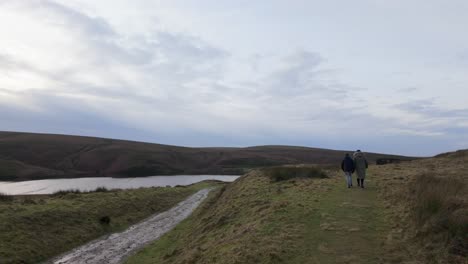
{"points": [[412, 212], [25, 156]]}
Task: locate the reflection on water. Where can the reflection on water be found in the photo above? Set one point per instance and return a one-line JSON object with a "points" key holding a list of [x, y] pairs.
{"points": [[88, 184]]}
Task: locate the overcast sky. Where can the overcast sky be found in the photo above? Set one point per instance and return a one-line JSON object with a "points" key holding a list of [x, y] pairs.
{"points": [[381, 76]]}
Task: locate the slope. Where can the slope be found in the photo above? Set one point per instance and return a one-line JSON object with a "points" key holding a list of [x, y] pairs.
{"points": [[25, 156], [402, 216]]}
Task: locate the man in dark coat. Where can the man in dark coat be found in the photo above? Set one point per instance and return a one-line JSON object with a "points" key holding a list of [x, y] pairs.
{"points": [[347, 165]]}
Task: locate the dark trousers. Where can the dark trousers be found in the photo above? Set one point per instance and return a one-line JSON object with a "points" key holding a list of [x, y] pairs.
{"points": [[360, 182]]}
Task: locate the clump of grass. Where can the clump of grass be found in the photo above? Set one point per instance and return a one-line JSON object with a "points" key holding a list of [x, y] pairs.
{"points": [[283, 173], [64, 192], [439, 209], [105, 220], [101, 189], [5, 197]]}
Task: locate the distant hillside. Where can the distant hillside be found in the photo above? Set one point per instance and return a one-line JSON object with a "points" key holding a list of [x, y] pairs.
{"points": [[25, 156]]}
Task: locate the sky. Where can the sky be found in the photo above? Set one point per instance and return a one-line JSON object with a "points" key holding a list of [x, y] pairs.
{"points": [[376, 75]]}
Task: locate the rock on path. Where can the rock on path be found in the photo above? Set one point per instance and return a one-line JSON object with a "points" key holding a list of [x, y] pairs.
{"points": [[116, 247]]}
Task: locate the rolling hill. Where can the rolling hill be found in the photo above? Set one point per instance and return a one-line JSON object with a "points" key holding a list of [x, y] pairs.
{"points": [[27, 156]]}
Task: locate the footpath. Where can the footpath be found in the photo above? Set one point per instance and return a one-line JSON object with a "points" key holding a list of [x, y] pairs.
{"points": [[116, 247], [349, 226]]}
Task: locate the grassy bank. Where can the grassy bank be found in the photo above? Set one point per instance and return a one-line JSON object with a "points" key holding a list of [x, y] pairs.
{"points": [[427, 202], [258, 219], [36, 228], [412, 212]]}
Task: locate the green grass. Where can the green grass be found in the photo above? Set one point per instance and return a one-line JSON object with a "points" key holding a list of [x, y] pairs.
{"points": [[36, 228], [255, 220]]}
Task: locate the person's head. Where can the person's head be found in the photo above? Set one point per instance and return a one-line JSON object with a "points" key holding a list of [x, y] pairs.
{"points": [[347, 155], [358, 150]]}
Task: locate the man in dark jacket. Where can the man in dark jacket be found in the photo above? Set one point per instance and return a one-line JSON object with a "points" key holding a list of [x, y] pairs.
{"points": [[347, 165]]}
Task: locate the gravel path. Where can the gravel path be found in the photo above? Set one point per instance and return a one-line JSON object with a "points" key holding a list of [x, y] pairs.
{"points": [[116, 247]]}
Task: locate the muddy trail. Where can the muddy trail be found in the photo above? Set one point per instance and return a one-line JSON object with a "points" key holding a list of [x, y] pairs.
{"points": [[116, 247]]}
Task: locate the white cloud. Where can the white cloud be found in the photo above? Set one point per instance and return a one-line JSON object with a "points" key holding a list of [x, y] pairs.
{"points": [[81, 59]]}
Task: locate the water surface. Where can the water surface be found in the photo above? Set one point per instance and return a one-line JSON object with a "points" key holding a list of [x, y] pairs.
{"points": [[88, 184]]}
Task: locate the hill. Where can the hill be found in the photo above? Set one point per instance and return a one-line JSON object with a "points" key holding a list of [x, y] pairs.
{"points": [[412, 212], [26, 156]]}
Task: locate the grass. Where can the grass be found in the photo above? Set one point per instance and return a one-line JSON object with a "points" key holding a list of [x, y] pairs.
{"points": [[36, 228], [428, 208], [283, 173], [410, 212], [440, 210], [5, 197], [257, 220]]}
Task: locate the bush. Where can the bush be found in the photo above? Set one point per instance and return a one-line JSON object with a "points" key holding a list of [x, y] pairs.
{"points": [[101, 189], [283, 173], [105, 220], [5, 197], [64, 192]]}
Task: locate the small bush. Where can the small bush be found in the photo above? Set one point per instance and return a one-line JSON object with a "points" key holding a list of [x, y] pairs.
{"points": [[64, 192], [101, 189], [284, 173], [105, 220], [5, 197]]}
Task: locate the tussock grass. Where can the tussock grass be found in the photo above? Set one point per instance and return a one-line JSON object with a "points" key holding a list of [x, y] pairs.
{"points": [[65, 192], [5, 197], [440, 210], [77, 191], [428, 208], [101, 189], [284, 173]]}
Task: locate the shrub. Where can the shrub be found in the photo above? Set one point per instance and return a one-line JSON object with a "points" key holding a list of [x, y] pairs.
{"points": [[64, 192], [101, 189], [105, 220], [283, 173], [5, 197]]}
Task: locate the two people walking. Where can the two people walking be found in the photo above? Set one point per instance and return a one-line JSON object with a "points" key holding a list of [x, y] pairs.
{"points": [[356, 164]]}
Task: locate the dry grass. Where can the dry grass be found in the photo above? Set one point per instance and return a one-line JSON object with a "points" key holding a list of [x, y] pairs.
{"points": [[440, 211], [428, 208]]}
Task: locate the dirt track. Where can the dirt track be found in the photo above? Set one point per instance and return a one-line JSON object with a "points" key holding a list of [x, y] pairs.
{"points": [[116, 247]]}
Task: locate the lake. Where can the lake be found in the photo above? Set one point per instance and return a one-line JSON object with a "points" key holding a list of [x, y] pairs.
{"points": [[88, 184]]}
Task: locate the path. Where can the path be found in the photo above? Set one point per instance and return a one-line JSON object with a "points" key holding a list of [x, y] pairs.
{"points": [[116, 247], [349, 226]]}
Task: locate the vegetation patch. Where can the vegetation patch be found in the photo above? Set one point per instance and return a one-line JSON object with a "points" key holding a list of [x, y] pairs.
{"points": [[101, 189], [440, 209], [283, 173], [5, 197], [428, 208], [65, 192], [35, 228]]}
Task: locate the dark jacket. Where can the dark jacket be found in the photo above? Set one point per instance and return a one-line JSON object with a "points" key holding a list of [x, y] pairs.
{"points": [[347, 164]]}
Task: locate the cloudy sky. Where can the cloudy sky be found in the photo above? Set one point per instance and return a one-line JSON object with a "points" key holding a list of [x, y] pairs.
{"points": [[382, 76]]}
